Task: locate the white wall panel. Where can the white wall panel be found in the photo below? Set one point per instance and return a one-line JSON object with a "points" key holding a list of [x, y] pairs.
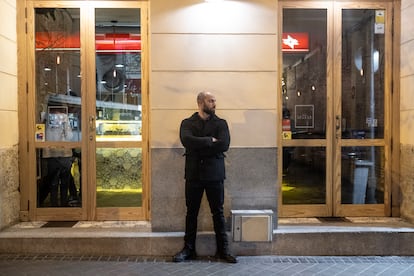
{"points": [[197, 52], [248, 128], [233, 90], [8, 20], [9, 125], [407, 60], [407, 26], [8, 56], [197, 16], [8, 93], [407, 127], [407, 95]]}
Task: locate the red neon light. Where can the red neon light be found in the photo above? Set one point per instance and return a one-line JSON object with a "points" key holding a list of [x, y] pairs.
{"points": [[295, 42], [103, 42]]}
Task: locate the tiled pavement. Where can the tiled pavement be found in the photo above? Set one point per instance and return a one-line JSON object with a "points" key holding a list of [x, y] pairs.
{"points": [[12, 265]]}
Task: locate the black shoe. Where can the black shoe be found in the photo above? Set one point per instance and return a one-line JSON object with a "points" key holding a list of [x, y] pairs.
{"points": [[185, 254], [226, 257]]}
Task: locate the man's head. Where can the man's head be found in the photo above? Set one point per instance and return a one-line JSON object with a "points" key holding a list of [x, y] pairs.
{"points": [[206, 104]]}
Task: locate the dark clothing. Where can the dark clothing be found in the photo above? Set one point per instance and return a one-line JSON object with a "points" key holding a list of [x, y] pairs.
{"points": [[205, 171], [215, 196], [204, 160]]}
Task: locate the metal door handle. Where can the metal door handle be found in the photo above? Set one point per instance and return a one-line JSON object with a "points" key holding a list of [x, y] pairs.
{"points": [[338, 126], [338, 122], [92, 125]]}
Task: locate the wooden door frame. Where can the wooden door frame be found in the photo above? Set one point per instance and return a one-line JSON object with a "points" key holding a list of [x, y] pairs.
{"points": [[27, 145], [365, 209], [333, 204]]}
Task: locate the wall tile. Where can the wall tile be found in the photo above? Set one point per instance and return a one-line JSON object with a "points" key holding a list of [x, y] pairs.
{"points": [[258, 16], [248, 128], [8, 56], [233, 90], [8, 121], [8, 93], [207, 52], [8, 20]]}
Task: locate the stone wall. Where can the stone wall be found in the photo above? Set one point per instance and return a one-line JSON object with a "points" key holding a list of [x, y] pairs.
{"points": [[251, 183], [9, 171], [9, 183], [407, 110]]}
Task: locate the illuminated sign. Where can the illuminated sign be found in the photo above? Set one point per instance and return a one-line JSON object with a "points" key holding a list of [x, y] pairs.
{"points": [[295, 42], [103, 42]]}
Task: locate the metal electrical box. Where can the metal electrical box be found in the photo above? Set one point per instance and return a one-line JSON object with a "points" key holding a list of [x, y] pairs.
{"points": [[252, 225]]}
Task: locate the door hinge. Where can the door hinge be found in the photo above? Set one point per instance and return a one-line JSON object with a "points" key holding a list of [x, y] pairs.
{"points": [[27, 146], [25, 23], [28, 205]]}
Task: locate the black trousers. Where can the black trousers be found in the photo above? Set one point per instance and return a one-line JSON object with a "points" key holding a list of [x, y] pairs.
{"points": [[194, 191]]}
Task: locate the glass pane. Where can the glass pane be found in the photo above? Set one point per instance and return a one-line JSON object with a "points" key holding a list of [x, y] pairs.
{"points": [[58, 83], [57, 106], [362, 175], [119, 177], [118, 75], [304, 73], [304, 175], [363, 49], [58, 177]]}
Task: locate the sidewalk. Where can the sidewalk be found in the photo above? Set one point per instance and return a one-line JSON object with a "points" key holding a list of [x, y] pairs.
{"points": [[16, 265]]}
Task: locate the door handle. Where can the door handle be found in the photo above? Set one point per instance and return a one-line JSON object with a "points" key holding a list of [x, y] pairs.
{"points": [[92, 124], [338, 126], [338, 122]]}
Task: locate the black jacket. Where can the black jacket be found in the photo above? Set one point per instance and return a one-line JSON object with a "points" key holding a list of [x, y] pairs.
{"points": [[204, 160]]}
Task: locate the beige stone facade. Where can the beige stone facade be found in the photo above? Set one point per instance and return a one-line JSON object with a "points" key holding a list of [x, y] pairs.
{"points": [[9, 169], [232, 75], [407, 110]]}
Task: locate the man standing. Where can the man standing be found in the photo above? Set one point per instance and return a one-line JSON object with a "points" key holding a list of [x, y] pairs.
{"points": [[205, 138]]}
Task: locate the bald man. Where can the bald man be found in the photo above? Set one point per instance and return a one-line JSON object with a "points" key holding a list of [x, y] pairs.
{"points": [[205, 138]]}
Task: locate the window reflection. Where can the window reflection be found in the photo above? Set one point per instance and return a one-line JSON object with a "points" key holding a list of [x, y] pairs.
{"points": [[362, 175], [59, 177], [363, 48], [118, 75], [304, 175]]}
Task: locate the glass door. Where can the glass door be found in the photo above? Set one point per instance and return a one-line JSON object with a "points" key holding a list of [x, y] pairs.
{"points": [[334, 114], [307, 104], [118, 116], [362, 110], [89, 128]]}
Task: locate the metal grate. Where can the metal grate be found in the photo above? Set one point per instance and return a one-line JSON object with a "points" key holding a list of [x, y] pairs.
{"points": [[67, 224], [333, 219]]}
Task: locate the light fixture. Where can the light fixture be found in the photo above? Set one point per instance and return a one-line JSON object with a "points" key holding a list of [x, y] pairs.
{"points": [[211, 1]]}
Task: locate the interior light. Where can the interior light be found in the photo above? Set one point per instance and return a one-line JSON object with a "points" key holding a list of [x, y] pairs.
{"points": [[214, 1], [119, 66], [47, 69]]}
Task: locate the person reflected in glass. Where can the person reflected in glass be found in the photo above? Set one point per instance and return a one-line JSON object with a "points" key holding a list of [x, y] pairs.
{"points": [[205, 138], [58, 160]]}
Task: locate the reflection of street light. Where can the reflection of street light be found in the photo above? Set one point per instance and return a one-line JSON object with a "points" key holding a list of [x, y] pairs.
{"points": [[358, 61]]}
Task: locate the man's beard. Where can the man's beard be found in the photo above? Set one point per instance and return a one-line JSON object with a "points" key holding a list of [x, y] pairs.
{"points": [[209, 111]]}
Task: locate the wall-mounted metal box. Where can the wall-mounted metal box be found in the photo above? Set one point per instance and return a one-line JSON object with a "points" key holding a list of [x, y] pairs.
{"points": [[252, 225]]}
